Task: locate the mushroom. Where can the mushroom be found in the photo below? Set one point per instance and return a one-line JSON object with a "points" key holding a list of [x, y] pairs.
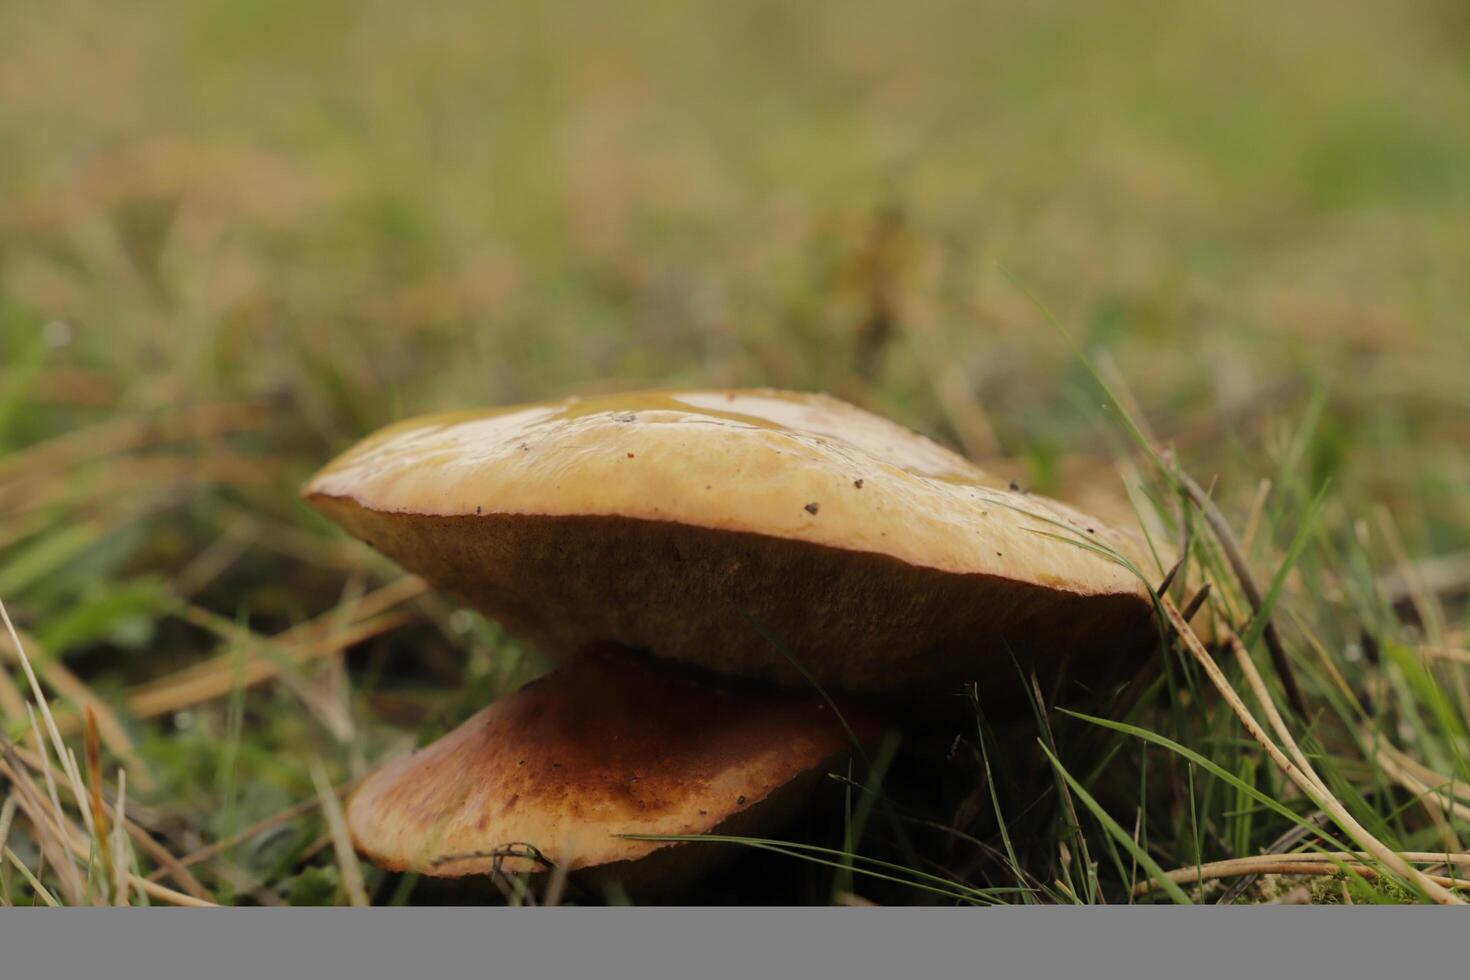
{"points": [[737, 537], [756, 533], [614, 744]]}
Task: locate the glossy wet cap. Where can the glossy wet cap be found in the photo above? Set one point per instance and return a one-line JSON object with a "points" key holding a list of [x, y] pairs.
{"points": [[617, 743], [737, 530]]}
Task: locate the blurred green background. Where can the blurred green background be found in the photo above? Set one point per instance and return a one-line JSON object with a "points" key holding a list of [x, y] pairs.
{"points": [[236, 235], [382, 208]]}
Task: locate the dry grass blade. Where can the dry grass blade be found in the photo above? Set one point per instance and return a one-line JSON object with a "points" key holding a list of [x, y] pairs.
{"points": [[311, 850], [556, 885], [7, 818], [223, 552], [120, 860], [55, 828], [953, 389], [81, 697], [12, 702], [100, 826], [1268, 705], [36, 693], [1241, 567], [165, 894], [1438, 781], [221, 678], [121, 435], [321, 637], [1439, 577], [1325, 661], [341, 840], [71, 839], [1288, 840], [168, 864], [47, 824], [1424, 600], [18, 775], [1197, 602], [1305, 779], [136, 474], [1089, 874], [32, 880], [1447, 654], [260, 826], [1389, 857], [1169, 576], [68, 762], [1258, 510], [1303, 864], [1436, 789]]}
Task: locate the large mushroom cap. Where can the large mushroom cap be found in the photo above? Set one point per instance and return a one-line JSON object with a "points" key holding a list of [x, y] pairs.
{"points": [[617, 743], [720, 527]]}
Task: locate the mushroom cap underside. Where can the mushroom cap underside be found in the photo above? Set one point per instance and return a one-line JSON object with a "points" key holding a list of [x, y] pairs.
{"points": [[719, 527]]}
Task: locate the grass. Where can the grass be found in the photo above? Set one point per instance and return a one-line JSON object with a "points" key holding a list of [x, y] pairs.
{"points": [[1196, 268]]}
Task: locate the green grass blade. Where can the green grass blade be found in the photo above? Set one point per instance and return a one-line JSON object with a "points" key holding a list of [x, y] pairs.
{"points": [[1118, 833]]}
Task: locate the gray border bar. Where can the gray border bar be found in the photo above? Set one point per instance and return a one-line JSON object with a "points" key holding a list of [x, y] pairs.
{"points": [[573, 943]]}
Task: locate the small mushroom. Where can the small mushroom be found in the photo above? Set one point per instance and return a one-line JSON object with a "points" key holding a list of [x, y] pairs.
{"points": [[930, 576], [615, 744]]}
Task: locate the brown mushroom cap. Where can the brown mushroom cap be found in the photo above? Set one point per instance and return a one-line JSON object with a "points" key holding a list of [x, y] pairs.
{"points": [[702, 525], [617, 743]]}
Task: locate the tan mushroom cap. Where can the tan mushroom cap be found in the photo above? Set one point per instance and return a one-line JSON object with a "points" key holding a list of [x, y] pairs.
{"points": [[617, 743], [676, 521]]}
